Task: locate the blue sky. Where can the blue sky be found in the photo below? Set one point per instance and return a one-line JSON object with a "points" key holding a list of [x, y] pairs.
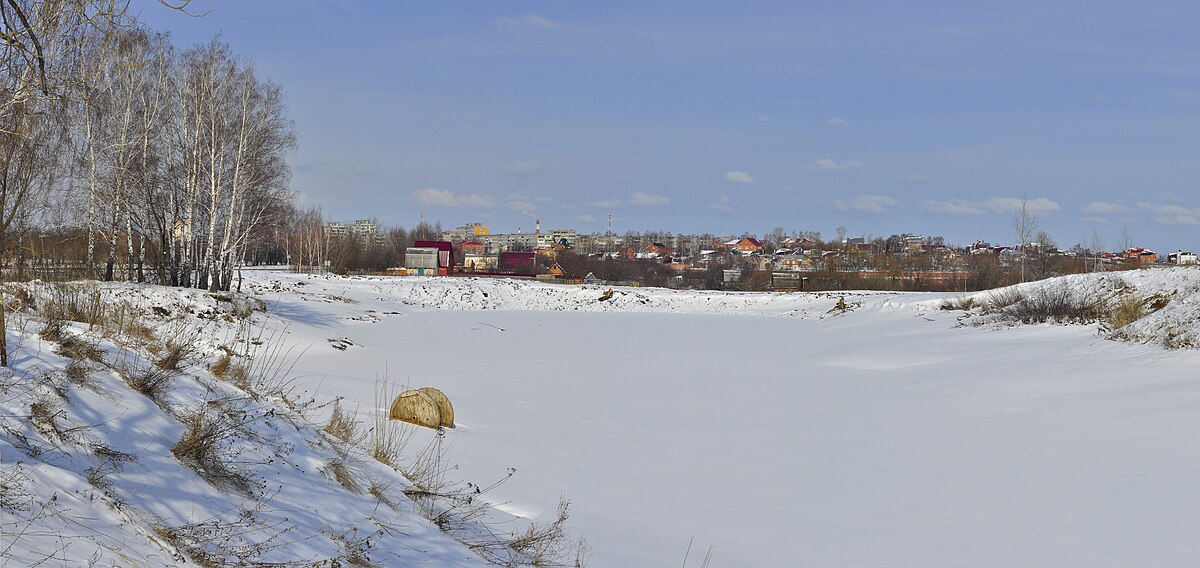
{"points": [[933, 118]]}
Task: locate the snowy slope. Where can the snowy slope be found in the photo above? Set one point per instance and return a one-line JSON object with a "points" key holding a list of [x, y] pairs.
{"points": [[894, 433], [89, 476]]}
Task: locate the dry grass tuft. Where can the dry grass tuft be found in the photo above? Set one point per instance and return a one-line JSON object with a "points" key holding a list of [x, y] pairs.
{"points": [[54, 330], [380, 490], [174, 355], [1126, 309], [43, 414], [220, 367], [202, 443], [79, 349], [339, 469], [341, 425], [79, 372], [152, 381], [960, 303]]}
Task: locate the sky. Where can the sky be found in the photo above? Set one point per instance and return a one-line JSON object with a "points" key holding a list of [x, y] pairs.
{"points": [[931, 118]]}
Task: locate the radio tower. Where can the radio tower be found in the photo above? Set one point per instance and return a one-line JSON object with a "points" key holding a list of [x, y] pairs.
{"points": [[610, 224]]}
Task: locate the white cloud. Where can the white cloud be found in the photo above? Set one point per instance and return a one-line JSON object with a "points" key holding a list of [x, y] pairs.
{"points": [[995, 205], [607, 203], [1171, 214], [1165, 209], [585, 219], [1105, 207], [536, 21], [829, 164], [913, 177], [648, 199], [957, 207], [1099, 220], [835, 121], [446, 198], [1179, 219], [723, 205], [522, 202], [527, 21], [738, 176], [865, 204], [1011, 205], [764, 118], [523, 169]]}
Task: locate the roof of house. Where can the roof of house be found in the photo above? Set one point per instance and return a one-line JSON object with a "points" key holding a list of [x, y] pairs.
{"points": [[440, 245]]}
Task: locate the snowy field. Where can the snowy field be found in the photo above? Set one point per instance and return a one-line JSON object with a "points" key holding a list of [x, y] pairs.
{"points": [[776, 429], [779, 432]]}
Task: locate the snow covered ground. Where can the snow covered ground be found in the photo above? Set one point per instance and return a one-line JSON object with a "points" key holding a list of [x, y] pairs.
{"points": [[889, 434], [776, 429]]}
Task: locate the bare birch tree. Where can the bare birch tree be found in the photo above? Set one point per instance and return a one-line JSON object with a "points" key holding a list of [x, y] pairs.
{"points": [[1025, 224]]}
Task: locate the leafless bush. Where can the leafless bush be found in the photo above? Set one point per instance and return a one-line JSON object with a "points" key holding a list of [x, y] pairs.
{"points": [[110, 462], [998, 300], [1052, 303], [543, 543], [14, 495], [427, 469], [540, 546], [356, 550], [233, 538]]}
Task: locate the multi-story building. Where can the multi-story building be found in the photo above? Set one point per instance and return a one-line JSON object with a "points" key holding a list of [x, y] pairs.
{"points": [[364, 229]]}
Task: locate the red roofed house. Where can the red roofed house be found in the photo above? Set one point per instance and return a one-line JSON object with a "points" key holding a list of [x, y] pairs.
{"points": [[660, 249], [748, 245], [471, 247], [1141, 255]]}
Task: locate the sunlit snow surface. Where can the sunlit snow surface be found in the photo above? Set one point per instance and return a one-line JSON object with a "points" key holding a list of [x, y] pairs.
{"points": [[777, 431]]}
